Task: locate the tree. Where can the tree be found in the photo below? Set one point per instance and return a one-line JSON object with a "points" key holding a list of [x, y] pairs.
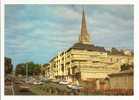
{"points": [[126, 67], [33, 69], [37, 69], [8, 65], [20, 69]]}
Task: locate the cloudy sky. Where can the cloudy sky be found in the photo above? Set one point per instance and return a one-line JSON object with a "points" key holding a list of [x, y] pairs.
{"points": [[38, 32]]}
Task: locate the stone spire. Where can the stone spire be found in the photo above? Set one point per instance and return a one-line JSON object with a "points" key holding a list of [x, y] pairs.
{"points": [[84, 36]]}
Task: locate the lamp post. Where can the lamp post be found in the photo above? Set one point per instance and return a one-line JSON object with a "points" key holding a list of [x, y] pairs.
{"points": [[26, 72]]}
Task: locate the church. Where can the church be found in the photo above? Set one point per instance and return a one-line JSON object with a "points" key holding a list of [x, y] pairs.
{"points": [[86, 61]]}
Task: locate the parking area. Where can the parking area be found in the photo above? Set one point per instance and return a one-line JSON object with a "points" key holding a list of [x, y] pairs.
{"points": [[58, 87], [52, 88]]}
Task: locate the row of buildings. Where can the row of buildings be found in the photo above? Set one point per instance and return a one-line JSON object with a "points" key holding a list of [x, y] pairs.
{"points": [[86, 61]]}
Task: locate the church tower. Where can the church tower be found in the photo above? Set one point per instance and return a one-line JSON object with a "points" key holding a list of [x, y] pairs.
{"points": [[84, 36]]}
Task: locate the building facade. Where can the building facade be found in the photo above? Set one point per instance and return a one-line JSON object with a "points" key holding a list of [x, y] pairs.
{"points": [[121, 80], [85, 61]]}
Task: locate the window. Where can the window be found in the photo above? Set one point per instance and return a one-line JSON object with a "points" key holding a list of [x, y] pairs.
{"points": [[110, 59], [68, 71], [117, 60], [62, 68]]}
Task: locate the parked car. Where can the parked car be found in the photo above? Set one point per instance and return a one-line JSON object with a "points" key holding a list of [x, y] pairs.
{"points": [[23, 88], [37, 82], [18, 82], [74, 86], [44, 81], [56, 80], [64, 82]]}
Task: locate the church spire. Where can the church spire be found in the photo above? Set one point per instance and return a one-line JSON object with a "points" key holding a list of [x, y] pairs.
{"points": [[84, 36]]}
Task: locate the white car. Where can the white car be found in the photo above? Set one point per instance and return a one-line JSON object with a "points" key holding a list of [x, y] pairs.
{"points": [[64, 82], [76, 87], [69, 86], [37, 83]]}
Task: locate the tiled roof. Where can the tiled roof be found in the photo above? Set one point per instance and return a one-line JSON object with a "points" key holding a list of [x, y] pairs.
{"points": [[121, 73], [88, 47], [114, 51]]}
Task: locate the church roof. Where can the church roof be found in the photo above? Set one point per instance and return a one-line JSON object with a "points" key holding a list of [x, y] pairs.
{"points": [[84, 36], [89, 47], [115, 51], [84, 39]]}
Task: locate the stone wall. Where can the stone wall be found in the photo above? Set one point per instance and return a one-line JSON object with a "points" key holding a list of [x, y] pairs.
{"points": [[124, 81]]}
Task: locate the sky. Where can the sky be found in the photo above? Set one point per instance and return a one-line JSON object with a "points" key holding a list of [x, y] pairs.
{"points": [[38, 32]]}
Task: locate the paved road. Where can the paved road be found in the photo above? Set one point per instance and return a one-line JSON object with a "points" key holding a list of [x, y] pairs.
{"points": [[22, 89]]}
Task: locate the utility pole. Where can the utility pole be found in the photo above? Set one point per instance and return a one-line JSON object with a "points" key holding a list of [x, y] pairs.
{"points": [[26, 72], [13, 80]]}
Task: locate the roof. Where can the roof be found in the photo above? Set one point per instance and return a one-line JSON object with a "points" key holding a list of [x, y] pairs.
{"points": [[89, 47], [115, 51], [45, 65], [128, 72]]}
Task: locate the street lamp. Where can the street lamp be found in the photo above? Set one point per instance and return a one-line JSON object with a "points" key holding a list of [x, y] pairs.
{"points": [[26, 72]]}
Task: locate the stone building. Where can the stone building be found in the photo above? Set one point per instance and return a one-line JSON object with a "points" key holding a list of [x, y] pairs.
{"points": [[121, 80], [85, 61]]}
